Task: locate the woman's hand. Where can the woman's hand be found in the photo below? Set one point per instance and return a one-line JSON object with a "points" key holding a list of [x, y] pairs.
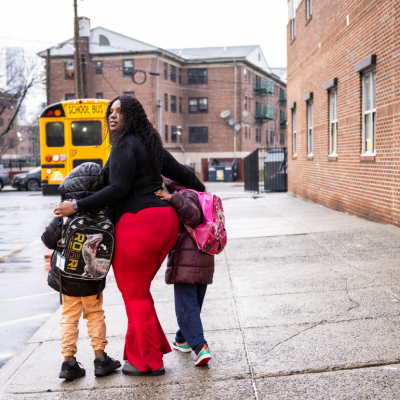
{"points": [[163, 195], [64, 209]]}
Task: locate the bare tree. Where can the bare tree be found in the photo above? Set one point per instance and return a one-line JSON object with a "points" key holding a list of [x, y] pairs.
{"points": [[7, 143], [18, 77]]}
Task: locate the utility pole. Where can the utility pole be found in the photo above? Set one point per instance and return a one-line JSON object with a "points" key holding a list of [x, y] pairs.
{"points": [[48, 80], [78, 77], [234, 113]]}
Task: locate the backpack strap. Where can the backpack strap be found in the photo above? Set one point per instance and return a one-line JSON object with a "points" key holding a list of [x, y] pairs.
{"points": [[61, 288]]}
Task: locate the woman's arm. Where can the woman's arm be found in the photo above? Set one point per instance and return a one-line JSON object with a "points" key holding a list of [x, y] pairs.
{"points": [[186, 205], [174, 170], [122, 169]]}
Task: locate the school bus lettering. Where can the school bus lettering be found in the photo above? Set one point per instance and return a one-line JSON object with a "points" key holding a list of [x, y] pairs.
{"points": [[85, 109]]}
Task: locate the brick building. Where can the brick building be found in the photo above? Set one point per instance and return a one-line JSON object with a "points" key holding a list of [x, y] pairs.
{"points": [[186, 99], [344, 108]]}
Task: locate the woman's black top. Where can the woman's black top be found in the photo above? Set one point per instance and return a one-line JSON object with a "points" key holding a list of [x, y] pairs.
{"points": [[133, 180]]}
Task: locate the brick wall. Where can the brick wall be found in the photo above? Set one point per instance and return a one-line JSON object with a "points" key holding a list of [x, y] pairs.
{"points": [[219, 91], [326, 47]]}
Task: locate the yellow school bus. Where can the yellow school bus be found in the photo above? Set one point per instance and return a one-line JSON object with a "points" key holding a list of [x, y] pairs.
{"points": [[71, 133]]}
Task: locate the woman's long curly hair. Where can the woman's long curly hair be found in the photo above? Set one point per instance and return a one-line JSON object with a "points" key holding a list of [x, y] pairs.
{"points": [[137, 124]]}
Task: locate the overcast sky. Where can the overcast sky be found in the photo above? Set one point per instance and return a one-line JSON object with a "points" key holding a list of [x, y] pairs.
{"points": [[36, 25]]}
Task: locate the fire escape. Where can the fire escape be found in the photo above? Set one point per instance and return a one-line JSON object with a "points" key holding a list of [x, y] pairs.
{"points": [[265, 90]]}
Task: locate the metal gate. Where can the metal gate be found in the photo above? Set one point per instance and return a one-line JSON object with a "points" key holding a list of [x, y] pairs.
{"points": [[266, 170]]}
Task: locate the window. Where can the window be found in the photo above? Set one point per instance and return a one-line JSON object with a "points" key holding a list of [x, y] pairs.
{"points": [[173, 104], [99, 67], [166, 133], [249, 101], [197, 76], [333, 123], [55, 134], [272, 137], [245, 132], [1, 122], [127, 67], [10, 143], [292, 17], [198, 105], [86, 133], [258, 135], [173, 134], [369, 112], [309, 8], [294, 127], [282, 139], [69, 70], [173, 73], [266, 137], [10, 123], [103, 40], [129, 94], [165, 102], [180, 75], [249, 133], [310, 137], [70, 96], [180, 105], [245, 103], [165, 71], [245, 74], [99, 95], [198, 134]]}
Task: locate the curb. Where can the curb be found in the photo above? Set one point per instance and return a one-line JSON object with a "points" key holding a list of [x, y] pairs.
{"points": [[12, 366]]}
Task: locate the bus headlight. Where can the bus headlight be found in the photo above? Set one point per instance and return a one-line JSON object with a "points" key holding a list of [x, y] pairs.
{"points": [[56, 158], [48, 158], [48, 171], [63, 157]]}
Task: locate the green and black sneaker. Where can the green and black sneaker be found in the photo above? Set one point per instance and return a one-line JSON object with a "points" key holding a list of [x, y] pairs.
{"points": [[183, 347], [203, 357]]}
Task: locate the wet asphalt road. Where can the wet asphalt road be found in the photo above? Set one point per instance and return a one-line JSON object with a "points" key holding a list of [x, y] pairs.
{"points": [[26, 302]]}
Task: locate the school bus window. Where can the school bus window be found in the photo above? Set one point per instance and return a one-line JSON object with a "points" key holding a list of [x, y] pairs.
{"points": [[55, 134], [86, 133]]}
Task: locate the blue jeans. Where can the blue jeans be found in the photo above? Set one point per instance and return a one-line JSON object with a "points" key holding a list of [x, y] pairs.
{"points": [[188, 302]]}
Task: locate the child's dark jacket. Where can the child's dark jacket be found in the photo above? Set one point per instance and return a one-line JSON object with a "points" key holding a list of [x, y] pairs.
{"points": [[186, 263], [81, 182]]}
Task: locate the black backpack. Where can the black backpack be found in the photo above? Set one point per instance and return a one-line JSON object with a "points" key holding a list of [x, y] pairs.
{"points": [[86, 248]]}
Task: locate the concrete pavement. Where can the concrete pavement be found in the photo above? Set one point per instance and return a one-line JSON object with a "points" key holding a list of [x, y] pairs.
{"points": [[305, 305]]}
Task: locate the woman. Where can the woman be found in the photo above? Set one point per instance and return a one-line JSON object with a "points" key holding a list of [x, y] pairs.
{"points": [[146, 227]]}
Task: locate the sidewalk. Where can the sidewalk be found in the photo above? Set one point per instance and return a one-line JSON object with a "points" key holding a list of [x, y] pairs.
{"points": [[304, 305]]}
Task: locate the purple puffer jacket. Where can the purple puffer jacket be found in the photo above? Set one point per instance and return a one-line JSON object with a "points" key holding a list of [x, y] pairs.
{"points": [[186, 263]]}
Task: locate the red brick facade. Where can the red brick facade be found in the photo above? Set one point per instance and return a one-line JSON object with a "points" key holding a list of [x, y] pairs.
{"points": [[329, 45], [219, 91]]}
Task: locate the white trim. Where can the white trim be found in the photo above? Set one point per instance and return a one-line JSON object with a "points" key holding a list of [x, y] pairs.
{"points": [[333, 121], [372, 111], [310, 127]]}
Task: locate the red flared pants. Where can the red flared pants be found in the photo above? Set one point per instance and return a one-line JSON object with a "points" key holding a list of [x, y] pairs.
{"points": [[142, 241]]}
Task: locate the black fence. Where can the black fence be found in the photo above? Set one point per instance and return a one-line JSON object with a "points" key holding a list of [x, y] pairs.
{"points": [[266, 170], [18, 164]]}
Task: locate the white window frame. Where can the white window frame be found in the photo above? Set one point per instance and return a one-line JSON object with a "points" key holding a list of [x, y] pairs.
{"points": [[309, 8], [333, 123], [310, 129], [293, 22], [294, 129], [369, 112]]}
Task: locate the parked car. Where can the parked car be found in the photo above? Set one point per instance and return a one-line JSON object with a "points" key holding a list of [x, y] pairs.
{"points": [[4, 178], [29, 181]]}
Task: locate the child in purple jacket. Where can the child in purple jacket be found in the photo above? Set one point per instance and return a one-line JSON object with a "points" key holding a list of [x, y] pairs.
{"points": [[190, 270]]}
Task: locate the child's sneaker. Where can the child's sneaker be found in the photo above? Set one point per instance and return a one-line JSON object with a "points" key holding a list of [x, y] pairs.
{"points": [[73, 371], [203, 357], [183, 347], [104, 367]]}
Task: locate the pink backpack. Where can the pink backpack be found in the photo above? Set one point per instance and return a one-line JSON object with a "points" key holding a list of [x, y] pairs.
{"points": [[210, 236]]}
